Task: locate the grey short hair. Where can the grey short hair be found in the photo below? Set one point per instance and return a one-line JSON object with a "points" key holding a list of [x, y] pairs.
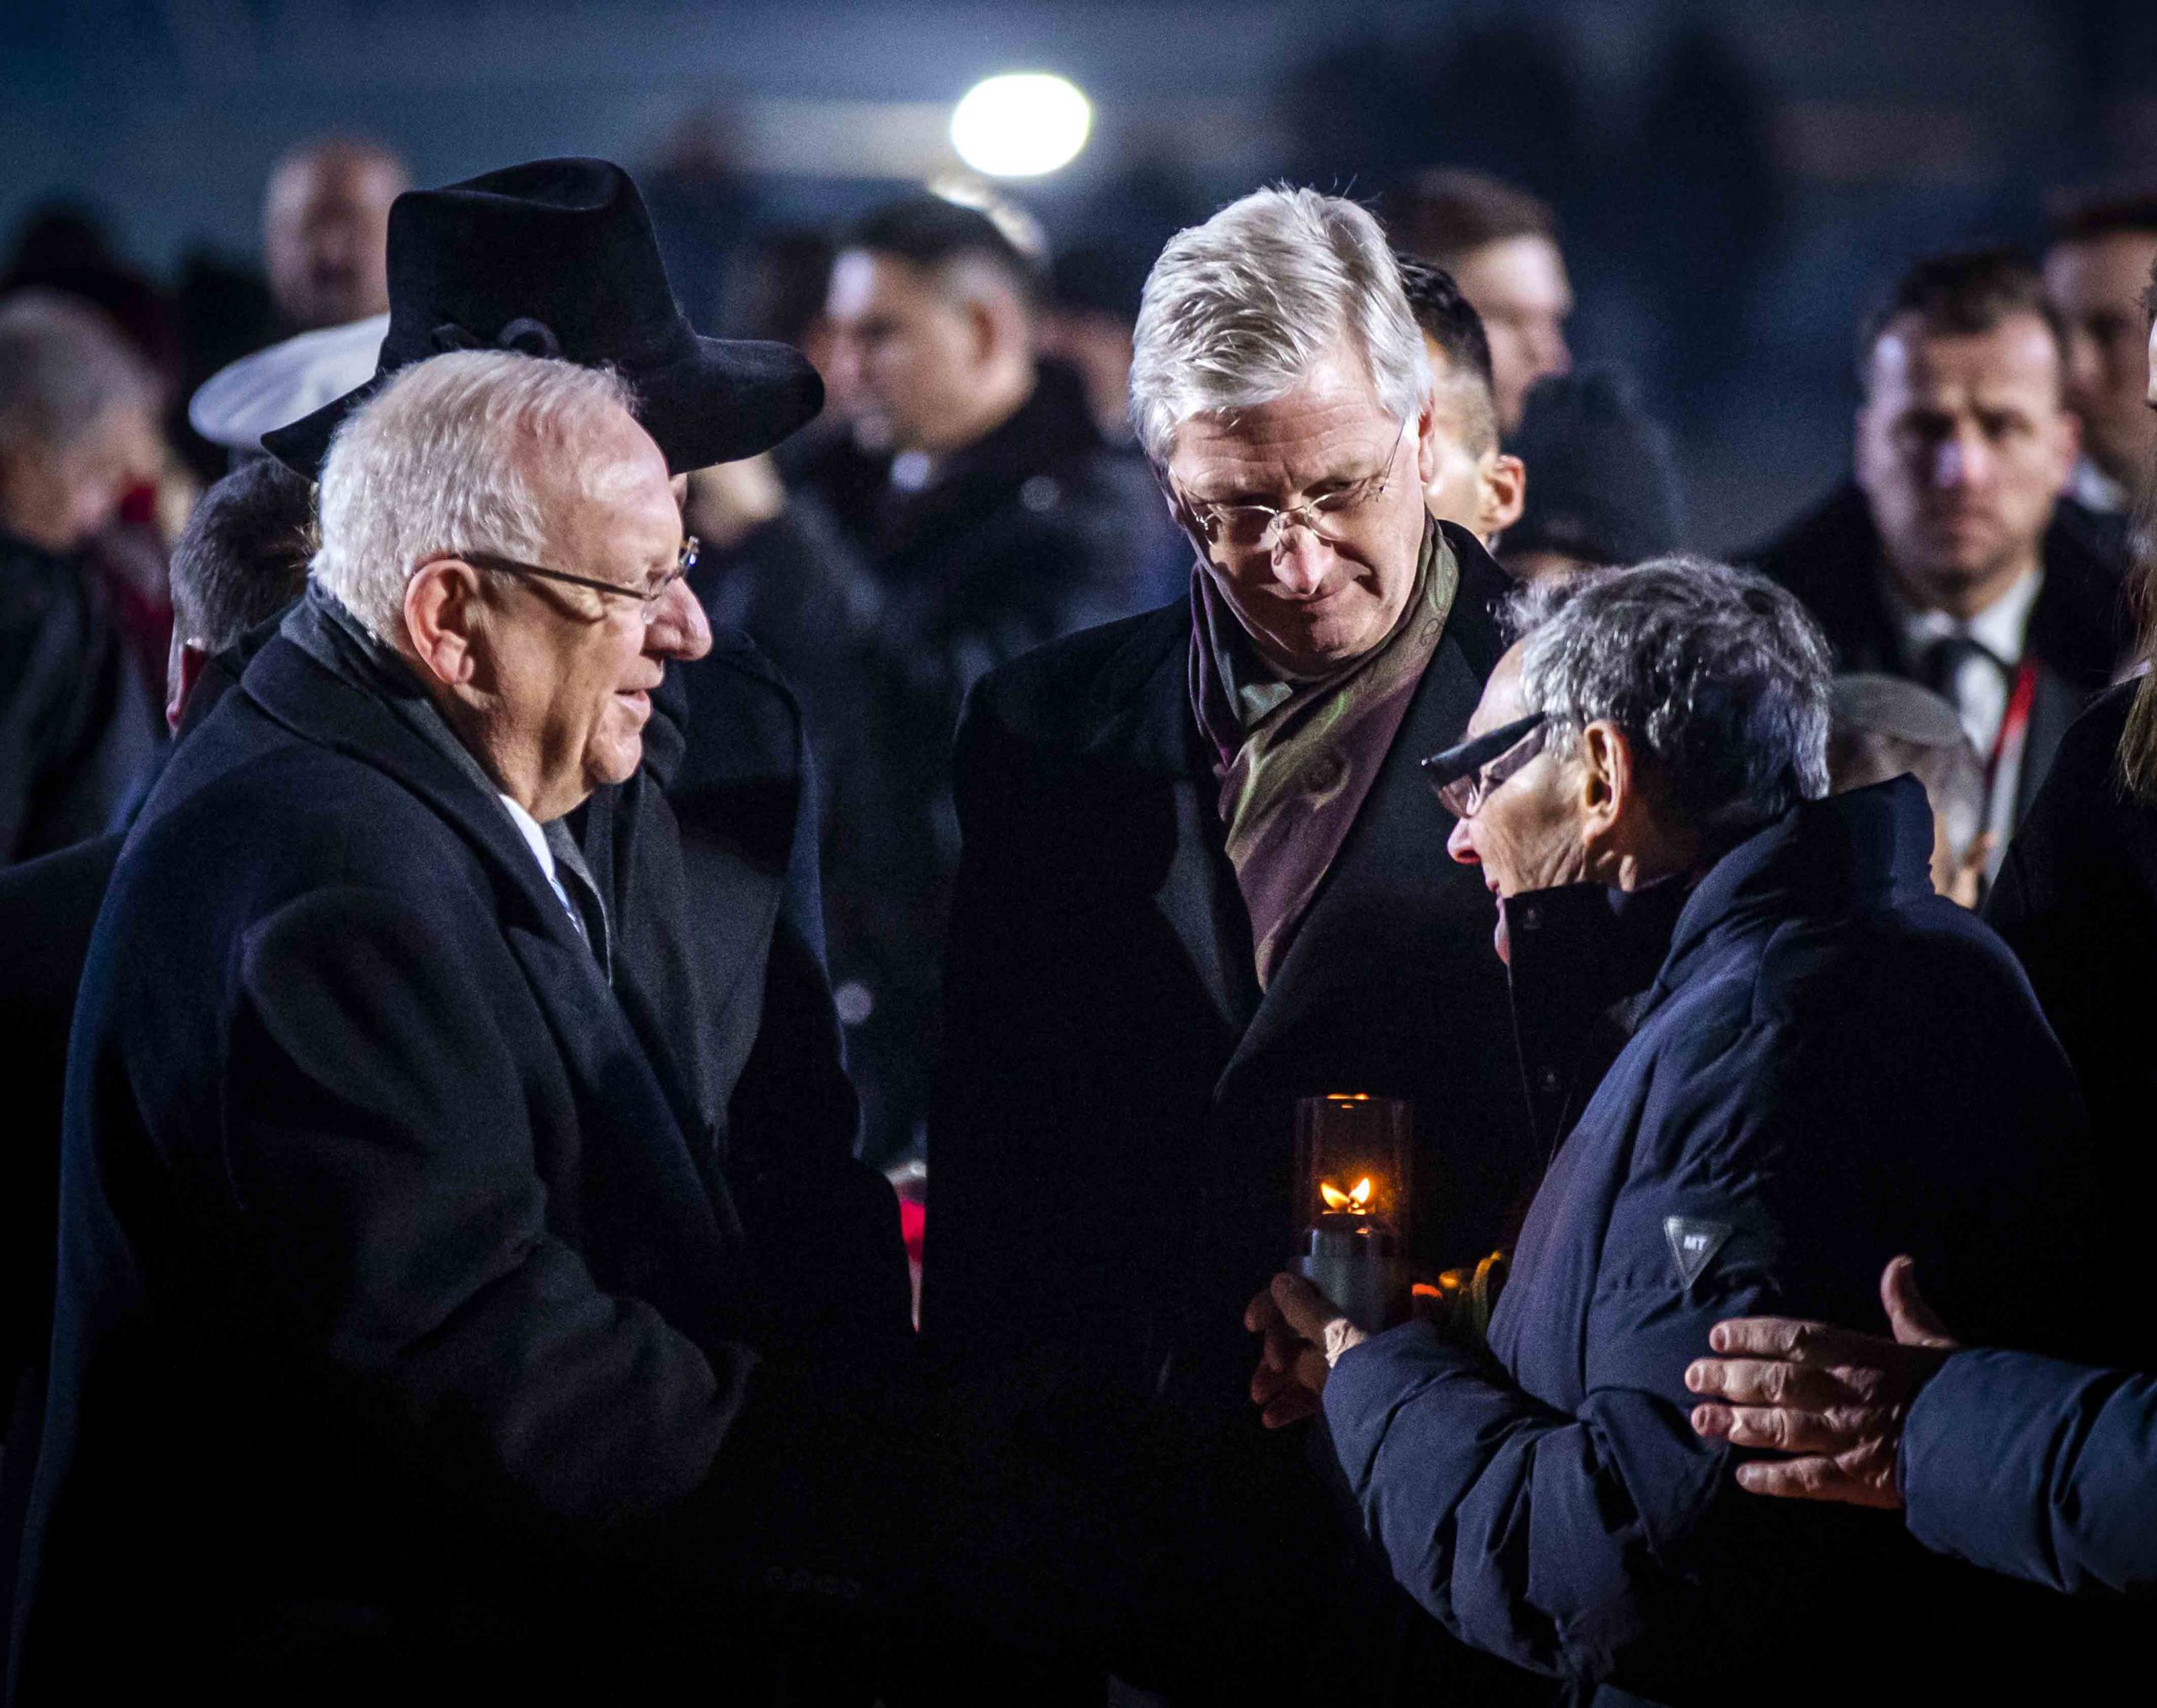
{"points": [[439, 461], [61, 368], [1239, 310], [1718, 672], [1880, 726]]}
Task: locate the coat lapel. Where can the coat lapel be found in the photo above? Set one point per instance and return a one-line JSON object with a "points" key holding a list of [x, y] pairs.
{"points": [[1143, 699], [612, 1066], [609, 1063]]}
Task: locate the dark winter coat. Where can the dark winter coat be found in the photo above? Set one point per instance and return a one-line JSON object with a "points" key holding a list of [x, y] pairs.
{"points": [[1111, 1142], [1034, 532], [1833, 1065], [2076, 900], [77, 729], [2043, 1470]]}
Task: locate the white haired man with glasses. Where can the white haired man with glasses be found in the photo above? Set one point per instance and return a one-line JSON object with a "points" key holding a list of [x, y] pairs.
{"points": [[1823, 1062], [419, 1318], [1196, 886]]}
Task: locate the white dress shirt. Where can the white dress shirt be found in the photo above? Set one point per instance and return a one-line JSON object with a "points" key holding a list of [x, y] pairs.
{"points": [[1981, 687], [535, 839]]}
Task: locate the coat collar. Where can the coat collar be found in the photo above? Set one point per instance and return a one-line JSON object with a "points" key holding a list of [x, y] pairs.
{"points": [[1051, 430], [1867, 848], [598, 1035], [347, 712], [1582, 955]]}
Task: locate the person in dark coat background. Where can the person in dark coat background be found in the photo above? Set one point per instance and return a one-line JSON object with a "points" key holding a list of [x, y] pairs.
{"points": [[2035, 1467], [240, 561], [1950, 558], [2077, 894], [77, 729], [1004, 522], [1782, 1118], [1198, 884], [1602, 483]]}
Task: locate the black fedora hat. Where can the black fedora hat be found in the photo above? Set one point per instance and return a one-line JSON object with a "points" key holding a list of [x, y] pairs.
{"points": [[557, 257]]}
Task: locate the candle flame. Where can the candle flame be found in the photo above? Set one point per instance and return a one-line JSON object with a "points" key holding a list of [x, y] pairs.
{"points": [[1356, 1198]]}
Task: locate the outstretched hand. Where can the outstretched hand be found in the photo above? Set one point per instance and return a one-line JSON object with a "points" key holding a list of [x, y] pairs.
{"points": [[1304, 1331], [1833, 1398]]}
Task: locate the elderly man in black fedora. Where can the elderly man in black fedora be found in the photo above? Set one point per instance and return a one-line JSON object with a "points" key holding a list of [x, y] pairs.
{"points": [[718, 921], [463, 1271]]}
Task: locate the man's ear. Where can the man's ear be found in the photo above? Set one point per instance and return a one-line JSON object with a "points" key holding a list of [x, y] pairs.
{"points": [[184, 670], [1502, 479], [1610, 782], [991, 327], [442, 617], [1427, 453]]}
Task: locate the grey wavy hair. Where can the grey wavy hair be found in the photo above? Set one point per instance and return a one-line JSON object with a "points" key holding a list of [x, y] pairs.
{"points": [[1718, 672], [1238, 311], [442, 460]]}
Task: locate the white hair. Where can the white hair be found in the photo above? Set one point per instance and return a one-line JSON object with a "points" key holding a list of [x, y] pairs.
{"points": [[1238, 311], [442, 460], [63, 366]]}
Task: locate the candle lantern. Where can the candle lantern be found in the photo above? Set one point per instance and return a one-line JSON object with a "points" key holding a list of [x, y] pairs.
{"points": [[1352, 1176]]}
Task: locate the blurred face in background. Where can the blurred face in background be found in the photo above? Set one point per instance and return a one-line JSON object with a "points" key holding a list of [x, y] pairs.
{"points": [[929, 360], [325, 233], [1518, 285], [1315, 592], [1963, 444], [58, 496], [2096, 284]]}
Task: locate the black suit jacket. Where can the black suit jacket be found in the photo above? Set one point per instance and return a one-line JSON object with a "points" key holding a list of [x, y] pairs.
{"points": [[1111, 1142], [411, 1278], [2078, 627]]}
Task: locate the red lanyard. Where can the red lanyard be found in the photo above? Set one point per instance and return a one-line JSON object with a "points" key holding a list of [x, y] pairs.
{"points": [[2013, 725]]}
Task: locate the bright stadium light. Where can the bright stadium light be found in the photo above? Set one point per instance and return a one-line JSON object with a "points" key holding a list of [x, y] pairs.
{"points": [[1020, 125]]}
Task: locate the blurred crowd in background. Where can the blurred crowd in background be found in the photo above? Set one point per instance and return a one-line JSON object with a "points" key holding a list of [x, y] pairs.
{"points": [[1623, 302]]}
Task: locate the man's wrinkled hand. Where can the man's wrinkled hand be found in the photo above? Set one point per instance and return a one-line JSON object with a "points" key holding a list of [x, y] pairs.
{"points": [[1833, 1399], [1303, 1332]]}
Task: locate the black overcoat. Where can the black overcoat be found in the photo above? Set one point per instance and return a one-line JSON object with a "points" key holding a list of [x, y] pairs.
{"points": [[1111, 1142], [2076, 900], [411, 1277]]}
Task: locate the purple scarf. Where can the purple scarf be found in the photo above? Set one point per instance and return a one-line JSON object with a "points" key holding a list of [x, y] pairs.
{"points": [[1295, 759]]}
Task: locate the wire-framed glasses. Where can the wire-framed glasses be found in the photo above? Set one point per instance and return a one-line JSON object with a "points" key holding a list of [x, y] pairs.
{"points": [[649, 597], [1254, 527]]}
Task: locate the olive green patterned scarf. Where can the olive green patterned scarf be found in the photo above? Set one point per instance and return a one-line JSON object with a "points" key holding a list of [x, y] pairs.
{"points": [[1295, 758]]}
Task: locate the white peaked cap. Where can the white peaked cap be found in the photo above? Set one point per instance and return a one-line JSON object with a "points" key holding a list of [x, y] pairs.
{"points": [[273, 388]]}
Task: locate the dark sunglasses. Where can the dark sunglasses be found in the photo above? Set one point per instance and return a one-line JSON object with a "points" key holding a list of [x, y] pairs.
{"points": [[1463, 776]]}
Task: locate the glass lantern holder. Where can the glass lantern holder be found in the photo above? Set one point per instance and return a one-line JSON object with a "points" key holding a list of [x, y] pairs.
{"points": [[1353, 1155]]}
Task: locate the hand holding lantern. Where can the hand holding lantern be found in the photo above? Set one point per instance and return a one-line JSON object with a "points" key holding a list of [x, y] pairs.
{"points": [[1352, 1158]]}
